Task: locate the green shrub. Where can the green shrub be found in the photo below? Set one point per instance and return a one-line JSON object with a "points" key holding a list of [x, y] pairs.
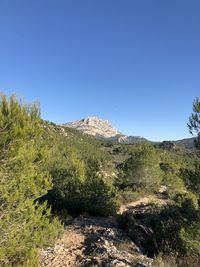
{"points": [[100, 197], [25, 226], [141, 169], [191, 238], [68, 173]]}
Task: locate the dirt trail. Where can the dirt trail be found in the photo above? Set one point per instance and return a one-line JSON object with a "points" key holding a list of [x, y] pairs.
{"points": [[97, 241], [65, 251], [143, 201]]}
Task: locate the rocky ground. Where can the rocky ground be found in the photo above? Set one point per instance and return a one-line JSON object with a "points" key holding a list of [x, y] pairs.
{"points": [[97, 241]]}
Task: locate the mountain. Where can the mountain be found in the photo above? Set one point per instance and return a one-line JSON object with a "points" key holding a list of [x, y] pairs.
{"points": [[94, 126], [102, 129]]}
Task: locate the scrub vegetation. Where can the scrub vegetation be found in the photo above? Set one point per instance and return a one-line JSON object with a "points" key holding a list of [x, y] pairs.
{"points": [[49, 173]]}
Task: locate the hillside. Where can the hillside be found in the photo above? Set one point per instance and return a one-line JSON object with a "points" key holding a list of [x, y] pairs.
{"points": [[104, 130], [71, 199], [186, 143]]}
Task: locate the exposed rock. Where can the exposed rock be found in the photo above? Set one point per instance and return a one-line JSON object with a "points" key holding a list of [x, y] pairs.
{"points": [[125, 139], [99, 241], [102, 129], [92, 242], [94, 126]]}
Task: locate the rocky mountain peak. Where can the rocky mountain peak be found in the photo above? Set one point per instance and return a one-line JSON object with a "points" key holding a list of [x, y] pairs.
{"points": [[95, 126], [94, 120], [102, 129]]}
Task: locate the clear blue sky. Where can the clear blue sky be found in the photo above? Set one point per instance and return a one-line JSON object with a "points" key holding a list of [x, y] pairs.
{"points": [[133, 62]]}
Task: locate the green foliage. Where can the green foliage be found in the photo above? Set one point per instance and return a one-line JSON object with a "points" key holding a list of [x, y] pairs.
{"points": [[68, 174], [100, 197], [168, 224], [78, 188], [192, 177], [43, 164], [128, 195], [25, 226], [180, 171], [77, 170], [194, 121], [141, 169], [174, 184], [191, 238], [167, 231]]}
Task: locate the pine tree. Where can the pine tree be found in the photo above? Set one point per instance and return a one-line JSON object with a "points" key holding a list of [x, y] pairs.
{"points": [[142, 169], [194, 122], [191, 235], [25, 224]]}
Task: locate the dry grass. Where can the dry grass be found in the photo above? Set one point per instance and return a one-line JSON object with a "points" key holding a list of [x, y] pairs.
{"points": [[165, 261]]}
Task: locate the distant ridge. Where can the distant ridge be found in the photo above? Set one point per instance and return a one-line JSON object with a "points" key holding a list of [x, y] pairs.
{"points": [[187, 143], [103, 129]]}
